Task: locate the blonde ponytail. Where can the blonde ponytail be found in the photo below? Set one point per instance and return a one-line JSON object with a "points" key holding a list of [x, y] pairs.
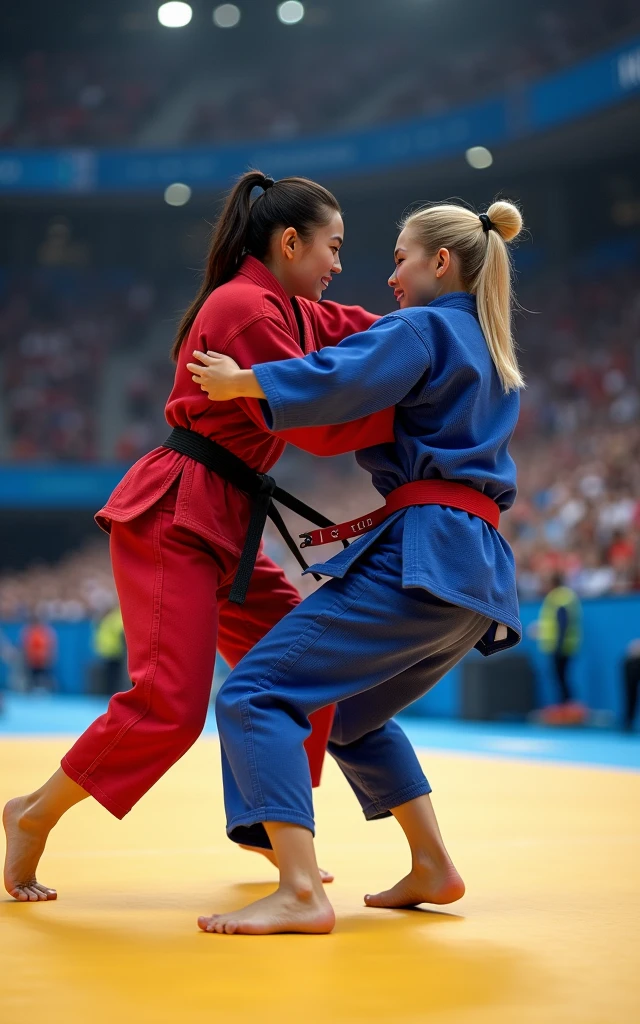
{"points": [[484, 266]]}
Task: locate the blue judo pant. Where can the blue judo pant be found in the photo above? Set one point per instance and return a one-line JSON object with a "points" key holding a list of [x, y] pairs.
{"points": [[363, 642]]}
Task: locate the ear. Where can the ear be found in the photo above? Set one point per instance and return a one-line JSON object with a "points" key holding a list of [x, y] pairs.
{"points": [[443, 262], [288, 243]]}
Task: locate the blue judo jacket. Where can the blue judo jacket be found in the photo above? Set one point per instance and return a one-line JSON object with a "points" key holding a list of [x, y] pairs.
{"points": [[453, 421]]}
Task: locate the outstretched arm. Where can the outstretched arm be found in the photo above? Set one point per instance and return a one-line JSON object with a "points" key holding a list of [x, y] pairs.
{"points": [[366, 373], [266, 339]]}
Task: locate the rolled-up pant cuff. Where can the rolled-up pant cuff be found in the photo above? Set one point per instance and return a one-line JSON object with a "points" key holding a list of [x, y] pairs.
{"points": [[382, 808], [248, 828], [85, 781]]}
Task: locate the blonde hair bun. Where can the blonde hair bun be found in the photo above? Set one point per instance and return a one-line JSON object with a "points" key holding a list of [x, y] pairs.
{"points": [[506, 219]]}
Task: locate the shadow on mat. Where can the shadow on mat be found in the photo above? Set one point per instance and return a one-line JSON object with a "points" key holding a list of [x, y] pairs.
{"points": [[118, 967]]}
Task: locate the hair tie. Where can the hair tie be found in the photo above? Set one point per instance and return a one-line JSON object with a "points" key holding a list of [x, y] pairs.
{"points": [[486, 222], [267, 183]]}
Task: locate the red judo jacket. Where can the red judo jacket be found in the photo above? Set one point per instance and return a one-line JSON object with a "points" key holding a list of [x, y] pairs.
{"points": [[252, 319]]}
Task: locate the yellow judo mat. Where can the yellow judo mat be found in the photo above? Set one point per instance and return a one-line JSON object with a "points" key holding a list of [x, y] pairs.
{"points": [[549, 930]]}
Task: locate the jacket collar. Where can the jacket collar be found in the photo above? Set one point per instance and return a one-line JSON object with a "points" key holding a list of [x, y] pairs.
{"points": [[256, 272], [457, 300], [262, 276]]}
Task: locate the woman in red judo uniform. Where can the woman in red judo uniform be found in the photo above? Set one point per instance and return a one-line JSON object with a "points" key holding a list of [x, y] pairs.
{"points": [[430, 578], [185, 522]]}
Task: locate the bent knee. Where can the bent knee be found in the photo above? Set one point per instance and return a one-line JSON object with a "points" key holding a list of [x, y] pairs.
{"points": [[229, 699], [235, 699], [188, 729], [346, 731], [342, 736]]}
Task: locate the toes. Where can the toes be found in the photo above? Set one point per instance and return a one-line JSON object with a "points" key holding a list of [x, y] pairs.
{"points": [[44, 892], [378, 899], [207, 923], [33, 892], [326, 876]]}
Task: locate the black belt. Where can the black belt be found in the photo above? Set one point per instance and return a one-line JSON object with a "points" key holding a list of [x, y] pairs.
{"points": [[260, 487]]}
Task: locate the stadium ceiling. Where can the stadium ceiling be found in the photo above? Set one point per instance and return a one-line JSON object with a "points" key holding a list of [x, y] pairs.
{"points": [[67, 24]]}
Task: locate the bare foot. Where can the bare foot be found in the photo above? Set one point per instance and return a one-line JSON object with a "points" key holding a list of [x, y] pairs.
{"points": [[25, 844], [427, 882], [304, 909], [325, 876]]}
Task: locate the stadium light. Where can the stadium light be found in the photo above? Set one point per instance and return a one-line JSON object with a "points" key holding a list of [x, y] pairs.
{"points": [[177, 194], [291, 12], [226, 16], [174, 14], [479, 157]]}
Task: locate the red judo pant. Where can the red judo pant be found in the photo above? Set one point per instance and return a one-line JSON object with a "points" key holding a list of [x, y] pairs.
{"points": [[174, 588]]}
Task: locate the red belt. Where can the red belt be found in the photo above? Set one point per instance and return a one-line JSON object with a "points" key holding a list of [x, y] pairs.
{"points": [[420, 492]]}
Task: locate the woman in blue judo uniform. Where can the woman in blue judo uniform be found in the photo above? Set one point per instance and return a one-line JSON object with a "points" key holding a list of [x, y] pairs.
{"points": [[430, 578]]}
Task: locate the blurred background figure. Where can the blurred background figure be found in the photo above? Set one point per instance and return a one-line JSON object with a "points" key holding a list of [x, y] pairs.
{"points": [[631, 670], [560, 636], [8, 658], [39, 649], [109, 645]]}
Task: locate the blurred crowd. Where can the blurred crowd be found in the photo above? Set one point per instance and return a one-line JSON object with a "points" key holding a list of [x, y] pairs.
{"points": [[577, 515], [144, 425], [111, 98], [85, 98], [577, 445], [580, 345], [578, 441], [79, 586], [57, 330], [578, 512]]}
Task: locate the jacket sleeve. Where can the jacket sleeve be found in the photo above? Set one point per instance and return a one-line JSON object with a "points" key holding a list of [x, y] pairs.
{"points": [[367, 372], [271, 341], [332, 321], [343, 437]]}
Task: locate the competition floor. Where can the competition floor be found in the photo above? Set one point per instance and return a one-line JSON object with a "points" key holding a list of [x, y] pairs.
{"points": [[549, 930]]}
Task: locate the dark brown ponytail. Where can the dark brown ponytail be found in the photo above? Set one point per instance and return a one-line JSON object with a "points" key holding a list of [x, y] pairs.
{"points": [[246, 226]]}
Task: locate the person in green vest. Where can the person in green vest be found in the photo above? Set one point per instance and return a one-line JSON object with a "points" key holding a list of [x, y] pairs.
{"points": [[109, 645], [560, 637]]}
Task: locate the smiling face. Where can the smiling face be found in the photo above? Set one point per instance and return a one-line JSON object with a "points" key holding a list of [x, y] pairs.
{"points": [[307, 266], [419, 278]]}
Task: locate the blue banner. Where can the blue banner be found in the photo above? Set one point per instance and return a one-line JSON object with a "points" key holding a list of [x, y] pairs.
{"points": [[560, 98], [58, 486]]}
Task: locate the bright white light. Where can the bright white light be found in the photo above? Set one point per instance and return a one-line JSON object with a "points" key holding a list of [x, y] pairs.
{"points": [[226, 16], [177, 194], [479, 157], [291, 12], [174, 14]]}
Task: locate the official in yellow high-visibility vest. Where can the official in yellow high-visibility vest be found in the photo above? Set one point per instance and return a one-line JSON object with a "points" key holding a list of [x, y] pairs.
{"points": [[560, 636], [109, 645]]}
